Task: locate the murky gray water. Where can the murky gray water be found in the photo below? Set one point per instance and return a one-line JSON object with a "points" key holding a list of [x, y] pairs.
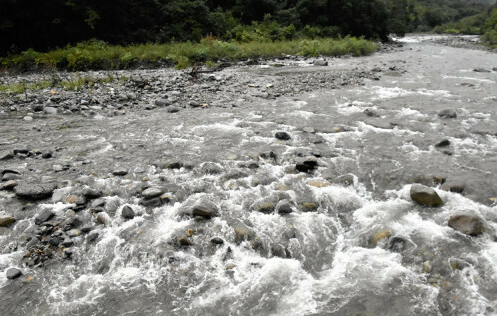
{"points": [[326, 257]]}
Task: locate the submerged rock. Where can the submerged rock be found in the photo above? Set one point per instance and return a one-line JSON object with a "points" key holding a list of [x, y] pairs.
{"points": [[242, 232], [35, 191], [425, 196], [467, 224], [382, 234]]}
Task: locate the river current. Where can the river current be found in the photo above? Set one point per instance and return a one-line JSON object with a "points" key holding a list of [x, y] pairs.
{"points": [[344, 238]]}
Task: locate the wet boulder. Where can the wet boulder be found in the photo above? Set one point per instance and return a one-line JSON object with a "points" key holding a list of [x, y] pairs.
{"points": [[90, 193], [319, 62], [205, 209], [217, 240], [284, 208], [242, 231], [448, 113], [13, 273], [307, 164], [127, 212], [6, 220], [344, 180], [43, 216], [151, 193], [6, 155], [425, 196], [282, 136], [120, 172], [467, 224], [481, 70], [35, 191]]}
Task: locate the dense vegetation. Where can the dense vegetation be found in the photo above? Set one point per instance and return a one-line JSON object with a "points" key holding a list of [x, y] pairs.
{"points": [[43, 25], [83, 34]]}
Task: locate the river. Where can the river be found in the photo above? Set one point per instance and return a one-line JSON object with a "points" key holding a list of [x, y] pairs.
{"points": [[238, 228]]}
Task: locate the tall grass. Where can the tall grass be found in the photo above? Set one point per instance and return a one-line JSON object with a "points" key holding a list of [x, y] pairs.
{"points": [[99, 55]]}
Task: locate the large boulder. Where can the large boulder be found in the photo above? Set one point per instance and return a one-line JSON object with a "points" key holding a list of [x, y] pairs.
{"points": [[35, 191], [467, 224], [425, 195]]}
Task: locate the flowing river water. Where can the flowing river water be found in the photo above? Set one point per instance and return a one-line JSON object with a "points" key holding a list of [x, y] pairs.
{"points": [[343, 238]]}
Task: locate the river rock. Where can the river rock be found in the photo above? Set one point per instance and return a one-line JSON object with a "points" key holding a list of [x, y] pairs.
{"points": [[10, 176], [425, 195], [345, 180], [103, 218], [449, 113], [481, 70], [284, 208], [74, 233], [320, 63], [162, 102], [282, 136], [13, 273], [307, 164], [264, 207], [49, 110], [467, 224], [443, 143], [44, 216], [6, 155], [242, 232], [151, 193], [127, 212], [206, 209], [9, 185], [92, 193], [6, 220], [379, 236], [67, 242], [35, 191], [120, 172], [217, 240]]}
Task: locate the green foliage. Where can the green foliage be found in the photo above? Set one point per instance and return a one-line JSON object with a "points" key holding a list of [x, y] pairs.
{"points": [[468, 25], [490, 29], [103, 56]]}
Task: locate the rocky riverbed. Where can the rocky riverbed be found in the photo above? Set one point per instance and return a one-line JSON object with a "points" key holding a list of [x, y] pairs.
{"points": [[345, 186]]}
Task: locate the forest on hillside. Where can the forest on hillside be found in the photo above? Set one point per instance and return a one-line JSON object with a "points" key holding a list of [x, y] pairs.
{"points": [[44, 25]]}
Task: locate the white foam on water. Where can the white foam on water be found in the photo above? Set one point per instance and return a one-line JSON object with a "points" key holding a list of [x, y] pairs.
{"points": [[302, 114], [468, 78], [384, 93]]}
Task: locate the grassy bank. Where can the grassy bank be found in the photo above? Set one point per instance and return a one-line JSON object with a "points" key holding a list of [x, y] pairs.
{"points": [[95, 55]]}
